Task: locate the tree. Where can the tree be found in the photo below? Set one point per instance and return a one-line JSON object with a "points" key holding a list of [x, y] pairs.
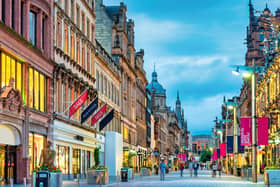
{"points": [[206, 155], [96, 156]]}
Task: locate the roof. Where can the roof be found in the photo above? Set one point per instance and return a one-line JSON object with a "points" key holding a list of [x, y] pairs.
{"points": [[155, 86]]}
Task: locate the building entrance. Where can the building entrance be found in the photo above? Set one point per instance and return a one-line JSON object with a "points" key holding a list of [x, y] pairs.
{"points": [[7, 163]]}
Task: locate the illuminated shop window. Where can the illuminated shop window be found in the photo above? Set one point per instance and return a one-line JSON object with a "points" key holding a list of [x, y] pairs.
{"points": [[76, 161], [36, 145], [62, 158], [37, 90], [12, 70]]}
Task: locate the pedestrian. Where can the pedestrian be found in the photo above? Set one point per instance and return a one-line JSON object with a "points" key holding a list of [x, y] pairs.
{"points": [[181, 169], [162, 167], [214, 169], [190, 167], [195, 168], [220, 169]]}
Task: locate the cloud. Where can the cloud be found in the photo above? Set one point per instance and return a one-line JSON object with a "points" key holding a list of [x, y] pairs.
{"points": [[195, 69], [150, 30], [201, 113]]}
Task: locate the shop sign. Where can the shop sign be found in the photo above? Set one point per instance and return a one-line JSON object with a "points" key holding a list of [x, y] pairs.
{"points": [[80, 138], [263, 131], [98, 115], [89, 110], [78, 103], [245, 130], [106, 120]]}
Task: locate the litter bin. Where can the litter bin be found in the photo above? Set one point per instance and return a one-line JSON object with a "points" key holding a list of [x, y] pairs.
{"points": [[124, 174], [42, 179]]}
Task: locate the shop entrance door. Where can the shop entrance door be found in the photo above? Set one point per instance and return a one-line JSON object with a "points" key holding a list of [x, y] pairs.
{"points": [[7, 163]]}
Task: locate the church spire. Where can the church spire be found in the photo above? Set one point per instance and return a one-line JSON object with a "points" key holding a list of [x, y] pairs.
{"points": [[177, 94], [251, 12]]}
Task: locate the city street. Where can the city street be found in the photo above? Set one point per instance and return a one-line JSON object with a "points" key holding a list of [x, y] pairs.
{"points": [[174, 180]]}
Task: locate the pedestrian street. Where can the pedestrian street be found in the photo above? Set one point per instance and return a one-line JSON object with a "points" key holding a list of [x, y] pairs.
{"points": [[204, 179]]}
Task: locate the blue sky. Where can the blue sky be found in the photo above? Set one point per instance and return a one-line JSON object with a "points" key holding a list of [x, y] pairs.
{"points": [[193, 43]]}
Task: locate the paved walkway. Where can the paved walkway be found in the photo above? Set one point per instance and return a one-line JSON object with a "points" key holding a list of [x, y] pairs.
{"points": [[173, 179]]}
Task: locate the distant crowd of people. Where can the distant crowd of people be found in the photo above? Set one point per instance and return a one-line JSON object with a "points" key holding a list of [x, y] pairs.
{"points": [[193, 166]]}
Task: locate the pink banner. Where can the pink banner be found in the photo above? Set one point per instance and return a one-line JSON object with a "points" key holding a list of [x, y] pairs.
{"points": [[215, 155], [78, 103], [263, 131], [98, 115], [245, 130], [223, 149], [181, 157]]}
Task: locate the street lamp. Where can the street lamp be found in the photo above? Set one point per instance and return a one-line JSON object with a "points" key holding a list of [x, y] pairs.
{"points": [[253, 70], [233, 106]]}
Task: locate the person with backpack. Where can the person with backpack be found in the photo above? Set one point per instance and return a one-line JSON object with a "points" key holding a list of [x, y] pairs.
{"points": [[182, 168], [195, 167], [162, 167]]}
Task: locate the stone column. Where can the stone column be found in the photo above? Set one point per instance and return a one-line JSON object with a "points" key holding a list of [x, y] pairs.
{"points": [[0, 9], [8, 15], [26, 9], [39, 30], [17, 16]]}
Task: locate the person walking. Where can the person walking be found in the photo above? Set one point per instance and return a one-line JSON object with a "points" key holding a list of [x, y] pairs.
{"points": [[162, 167], [182, 168], [190, 167], [214, 169], [220, 169], [195, 168]]}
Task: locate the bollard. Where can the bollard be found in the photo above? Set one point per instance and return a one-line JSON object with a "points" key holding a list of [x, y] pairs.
{"points": [[78, 182], [24, 181], [11, 182]]}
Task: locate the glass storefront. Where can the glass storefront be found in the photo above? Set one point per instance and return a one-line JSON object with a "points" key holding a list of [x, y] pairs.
{"points": [[62, 158], [7, 163], [76, 161], [36, 145]]}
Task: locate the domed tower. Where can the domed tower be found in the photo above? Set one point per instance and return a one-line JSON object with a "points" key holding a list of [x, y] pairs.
{"points": [[158, 93]]}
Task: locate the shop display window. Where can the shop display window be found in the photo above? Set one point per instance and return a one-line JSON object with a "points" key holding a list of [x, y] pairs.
{"points": [[36, 145], [76, 161], [37, 90], [62, 158], [12, 69]]}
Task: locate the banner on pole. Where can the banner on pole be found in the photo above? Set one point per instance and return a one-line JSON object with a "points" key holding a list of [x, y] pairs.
{"points": [[215, 155], [98, 115], [229, 144], [181, 157], [223, 149], [89, 110], [78, 103], [106, 120], [245, 130], [218, 153], [263, 130], [240, 147]]}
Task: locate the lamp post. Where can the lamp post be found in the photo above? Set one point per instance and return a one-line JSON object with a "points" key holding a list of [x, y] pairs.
{"points": [[252, 69], [232, 105]]}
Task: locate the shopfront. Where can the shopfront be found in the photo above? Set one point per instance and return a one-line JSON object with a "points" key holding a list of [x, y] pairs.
{"points": [[74, 148], [9, 141]]}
